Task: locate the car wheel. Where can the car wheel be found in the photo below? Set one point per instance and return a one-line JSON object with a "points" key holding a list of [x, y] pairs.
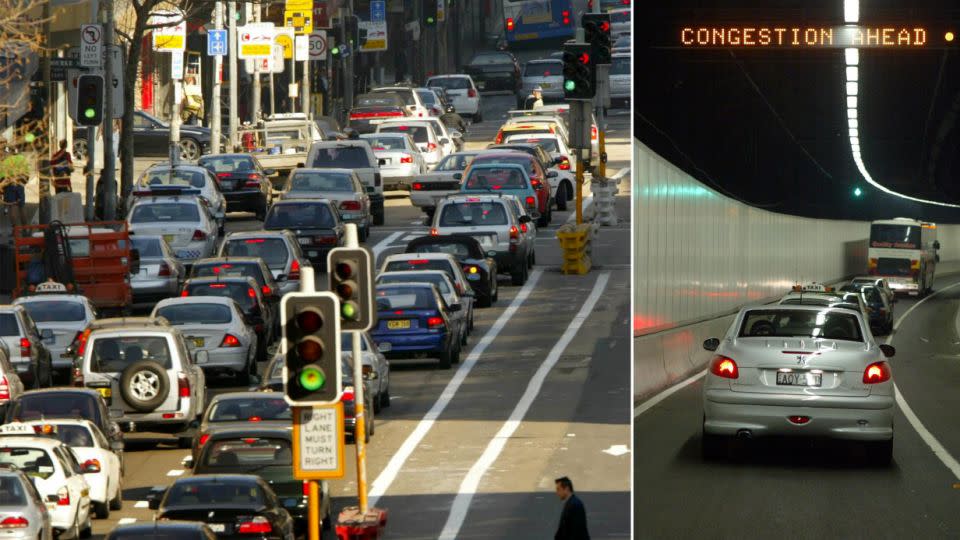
{"points": [[87, 531], [102, 510], [189, 149], [144, 385], [385, 398], [446, 358], [496, 289], [561, 198], [456, 355], [485, 300], [533, 259], [117, 502], [378, 217]]}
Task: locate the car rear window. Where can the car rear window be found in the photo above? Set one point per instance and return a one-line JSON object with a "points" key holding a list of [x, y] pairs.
{"points": [[405, 298], [114, 354], [163, 212], [489, 59], [230, 270], [54, 405], [419, 133], [450, 83], [801, 323], [405, 94], [8, 325], [229, 163], [386, 143], [341, 157], [523, 160], [543, 69], [42, 311], [475, 214], [454, 162], [226, 289], [872, 295], [32, 461], [248, 409], [548, 144], [11, 491], [620, 65], [194, 313], [460, 251], [74, 435], [248, 451], [273, 251], [418, 264], [179, 177], [495, 178], [382, 99], [223, 491], [427, 97], [148, 247], [299, 215], [436, 279], [320, 181]]}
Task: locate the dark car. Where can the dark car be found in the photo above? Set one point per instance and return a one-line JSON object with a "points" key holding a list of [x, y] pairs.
{"points": [[244, 183], [315, 222], [494, 70], [260, 314], [162, 530], [267, 452], [151, 137], [879, 309], [232, 506], [375, 106], [481, 270], [239, 410], [417, 323], [252, 267]]}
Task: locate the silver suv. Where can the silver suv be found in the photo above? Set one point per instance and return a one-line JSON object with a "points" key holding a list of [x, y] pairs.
{"points": [[357, 155], [148, 377], [547, 74], [494, 221], [28, 355], [279, 249]]}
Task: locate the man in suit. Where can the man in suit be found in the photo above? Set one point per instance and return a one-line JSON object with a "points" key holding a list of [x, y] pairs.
{"points": [[573, 518]]}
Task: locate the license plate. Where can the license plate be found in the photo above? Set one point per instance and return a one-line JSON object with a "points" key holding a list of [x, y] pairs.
{"points": [[546, 85], [398, 325], [105, 392], [473, 277], [198, 341], [387, 161], [481, 84], [798, 378], [305, 241], [217, 527], [169, 237]]}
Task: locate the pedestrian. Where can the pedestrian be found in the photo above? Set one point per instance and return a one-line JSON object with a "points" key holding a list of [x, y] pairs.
{"points": [[537, 98], [62, 165], [573, 517], [192, 101], [14, 198]]}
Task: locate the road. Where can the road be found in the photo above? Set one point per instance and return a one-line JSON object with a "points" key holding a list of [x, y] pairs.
{"points": [[541, 392], [820, 490]]}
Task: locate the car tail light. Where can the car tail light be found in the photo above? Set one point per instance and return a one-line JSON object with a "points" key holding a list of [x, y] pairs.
{"points": [[417, 186], [350, 205], [566, 16], [203, 439], [434, 231], [63, 496], [230, 340], [266, 290], [183, 385], [184, 293], [14, 522], [523, 227], [799, 420], [876, 372], [535, 182], [254, 241], [499, 138], [472, 269], [531, 202], [431, 147], [4, 389], [406, 158], [325, 240], [564, 163], [92, 463], [218, 286], [306, 488], [252, 183], [514, 237], [510, 25], [164, 270], [222, 175], [257, 525], [294, 270], [471, 93], [417, 261], [252, 293], [24, 347], [199, 235], [721, 366], [434, 322], [254, 419]]}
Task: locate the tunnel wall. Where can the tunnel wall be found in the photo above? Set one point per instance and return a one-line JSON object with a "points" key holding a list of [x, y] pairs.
{"points": [[699, 256]]}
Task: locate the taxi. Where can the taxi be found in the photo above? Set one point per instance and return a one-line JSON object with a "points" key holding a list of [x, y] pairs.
{"points": [[50, 464], [184, 221]]}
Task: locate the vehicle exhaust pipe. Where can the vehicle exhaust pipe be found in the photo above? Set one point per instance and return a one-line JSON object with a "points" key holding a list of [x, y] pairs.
{"points": [[744, 434]]}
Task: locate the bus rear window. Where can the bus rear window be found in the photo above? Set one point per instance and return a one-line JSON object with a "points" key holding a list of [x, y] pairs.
{"points": [[895, 236]]}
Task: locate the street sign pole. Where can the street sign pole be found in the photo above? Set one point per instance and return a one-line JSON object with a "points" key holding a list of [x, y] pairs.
{"points": [[215, 122], [602, 102], [175, 113], [91, 161], [109, 158], [232, 61], [254, 16], [359, 435]]}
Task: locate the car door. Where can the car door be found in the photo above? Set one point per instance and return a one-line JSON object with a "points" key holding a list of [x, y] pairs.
{"points": [[148, 137], [363, 196], [76, 483], [13, 380], [380, 362]]}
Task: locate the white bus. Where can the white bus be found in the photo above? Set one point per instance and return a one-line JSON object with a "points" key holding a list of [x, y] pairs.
{"points": [[904, 251]]}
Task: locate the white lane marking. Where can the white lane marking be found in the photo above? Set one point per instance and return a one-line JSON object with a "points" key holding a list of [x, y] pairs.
{"points": [[617, 450], [938, 449], [390, 472], [142, 504], [176, 472], [471, 482], [384, 244], [652, 402], [126, 521]]}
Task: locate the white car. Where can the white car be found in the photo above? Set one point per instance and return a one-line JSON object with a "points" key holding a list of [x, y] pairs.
{"points": [[60, 317], [373, 362], [161, 178], [462, 92], [564, 182], [412, 101], [56, 473], [93, 452], [619, 22], [620, 80], [430, 100], [400, 159], [799, 371], [183, 221], [430, 188], [423, 134]]}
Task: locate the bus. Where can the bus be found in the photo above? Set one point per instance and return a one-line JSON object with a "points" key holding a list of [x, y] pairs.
{"points": [[527, 21], [904, 251]]}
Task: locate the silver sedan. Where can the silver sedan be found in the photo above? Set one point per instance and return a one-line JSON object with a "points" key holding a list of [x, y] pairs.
{"points": [[341, 186], [216, 325], [800, 371], [20, 515], [160, 273]]}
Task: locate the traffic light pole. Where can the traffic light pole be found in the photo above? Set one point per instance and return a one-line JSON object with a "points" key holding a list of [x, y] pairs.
{"points": [[91, 161], [216, 127], [109, 159], [232, 60], [359, 434]]}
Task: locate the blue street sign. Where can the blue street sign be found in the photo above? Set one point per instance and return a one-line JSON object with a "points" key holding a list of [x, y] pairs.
{"points": [[216, 42], [378, 11]]}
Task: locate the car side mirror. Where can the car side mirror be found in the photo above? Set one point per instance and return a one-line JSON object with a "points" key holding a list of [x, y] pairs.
{"points": [[888, 350], [711, 344], [525, 219], [269, 172], [458, 176], [187, 462], [551, 174], [456, 134], [369, 373], [444, 141], [384, 347], [201, 357]]}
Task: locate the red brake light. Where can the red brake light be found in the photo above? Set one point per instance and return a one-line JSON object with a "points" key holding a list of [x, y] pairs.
{"points": [[199, 235], [257, 525], [407, 158], [204, 438], [95, 463], [434, 322], [417, 261], [417, 186], [523, 227], [306, 488], [565, 163], [350, 205], [164, 270], [82, 341], [799, 420], [721, 366], [514, 234], [531, 202], [24, 347], [510, 24], [63, 496], [434, 231], [183, 385], [254, 241], [294, 270], [229, 340], [876, 372], [254, 419], [251, 292], [218, 286], [14, 522], [223, 174], [431, 147], [593, 132], [4, 389], [471, 93], [184, 293], [266, 290], [499, 138]]}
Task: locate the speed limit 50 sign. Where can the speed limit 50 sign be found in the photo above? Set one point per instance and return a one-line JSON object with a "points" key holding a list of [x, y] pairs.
{"points": [[318, 44]]}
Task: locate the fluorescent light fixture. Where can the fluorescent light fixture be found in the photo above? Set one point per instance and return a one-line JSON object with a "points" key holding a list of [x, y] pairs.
{"points": [[854, 132], [851, 88], [855, 140], [851, 11], [851, 102], [852, 56], [853, 73], [853, 123], [851, 113]]}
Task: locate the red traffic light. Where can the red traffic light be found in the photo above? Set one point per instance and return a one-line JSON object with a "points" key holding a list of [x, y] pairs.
{"points": [[584, 58], [605, 26], [309, 321]]}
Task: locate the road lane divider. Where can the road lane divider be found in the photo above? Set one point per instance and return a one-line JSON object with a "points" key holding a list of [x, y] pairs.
{"points": [[386, 477], [384, 244], [471, 482], [652, 402]]}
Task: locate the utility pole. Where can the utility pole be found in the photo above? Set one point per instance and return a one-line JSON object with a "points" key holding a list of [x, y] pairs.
{"points": [[215, 122], [91, 143], [254, 16], [175, 115], [109, 173], [305, 87], [348, 76], [232, 42]]}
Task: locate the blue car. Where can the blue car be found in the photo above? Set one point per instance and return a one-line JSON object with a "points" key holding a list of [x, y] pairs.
{"points": [[417, 323]]}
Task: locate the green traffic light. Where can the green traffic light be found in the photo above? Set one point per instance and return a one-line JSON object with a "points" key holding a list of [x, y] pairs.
{"points": [[569, 85], [89, 113], [349, 311], [335, 51], [312, 378], [857, 192], [430, 20]]}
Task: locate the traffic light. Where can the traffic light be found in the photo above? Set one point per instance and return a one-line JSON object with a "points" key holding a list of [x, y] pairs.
{"points": [[351, 279], [596, 31], [90, 100], [429, 12], [579, 72], [311, 348], [857, 192]]}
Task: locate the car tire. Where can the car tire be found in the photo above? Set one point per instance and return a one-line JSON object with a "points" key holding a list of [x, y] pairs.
{"points": [[519, 275], [377, 403], [496, 289], [464, 337], [364, 233], [561, 197], [385, 398], [485, 300], [533, 259], [117, 502], [189, 149], [879, 453], [261, 213], [456, 355], [87, 531], [151, 374], [446, 359], [544, 219], [184, 442], [102, 510]]}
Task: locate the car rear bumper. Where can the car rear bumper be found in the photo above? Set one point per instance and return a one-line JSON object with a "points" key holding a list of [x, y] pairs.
{"points": [[154, 290], [868, 418], [428, 199], [507, 260], [407, 345], [239, 201], [234, 359]]}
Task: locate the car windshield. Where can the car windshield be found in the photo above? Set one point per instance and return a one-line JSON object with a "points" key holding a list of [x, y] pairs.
{"points": [[543, 69], [42, 311], [386, 143], [383, 99], [488, 59], [824, 324], [229, 270], [473, 214], [341, 157], [11, 491], [74, 436], [320, 181], [405, 94], [239, 291], [548, 144], [246, 452], [454, 162], [450, 83], [872, 294], [418, 133], [405, 298], [114, 354], [164, 212], [194, 313], [299, 215], [458, 250], [418, 264], [148, 247], [494, 178], [516, 158], [32, 461], [229, 163], [249, 409], [273, 251], [419, 277], [54, 405], [179, 177], [244, 493], [620, 65]]}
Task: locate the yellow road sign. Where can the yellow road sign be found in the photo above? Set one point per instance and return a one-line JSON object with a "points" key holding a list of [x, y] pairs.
{"points": [[318, 442], [300, 21], [284, 38]]}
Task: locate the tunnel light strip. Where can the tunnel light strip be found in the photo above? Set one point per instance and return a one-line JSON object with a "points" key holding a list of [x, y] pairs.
{"points": [[851, 14]]}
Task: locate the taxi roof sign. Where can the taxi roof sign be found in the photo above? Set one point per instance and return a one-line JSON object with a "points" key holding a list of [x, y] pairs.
{"points": [[51, 287], [17, 428], [813, 286]]}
